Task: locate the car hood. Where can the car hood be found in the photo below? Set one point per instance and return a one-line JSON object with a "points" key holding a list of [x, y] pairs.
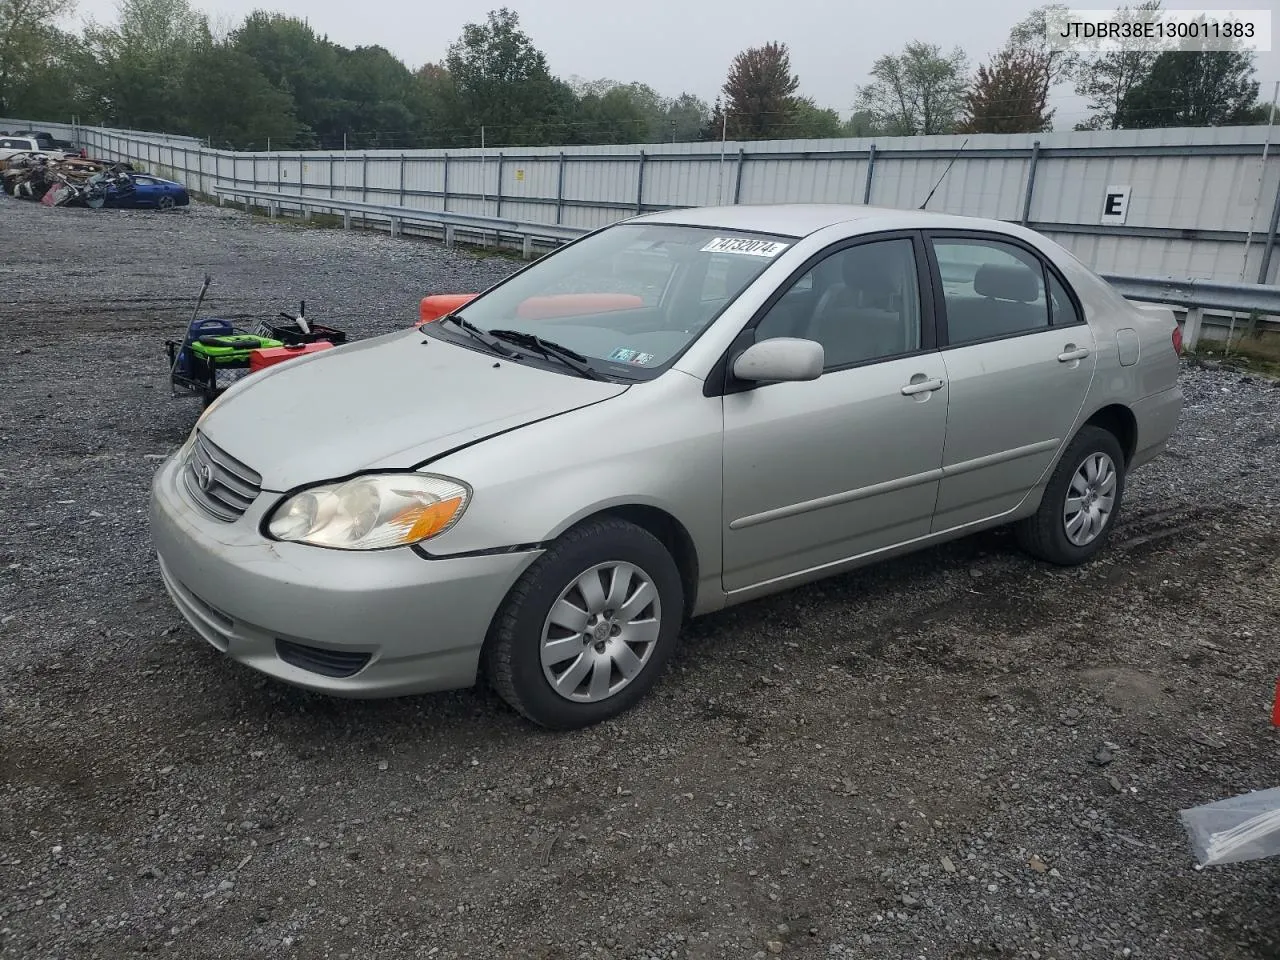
{"points": [[389, 402]]}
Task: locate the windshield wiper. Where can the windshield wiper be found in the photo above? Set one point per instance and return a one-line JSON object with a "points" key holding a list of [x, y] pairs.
{"points": [[550, 349], [477, 334]]}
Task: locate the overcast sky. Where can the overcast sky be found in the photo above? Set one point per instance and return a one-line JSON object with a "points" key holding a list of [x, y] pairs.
{"points": [[686, 45]]}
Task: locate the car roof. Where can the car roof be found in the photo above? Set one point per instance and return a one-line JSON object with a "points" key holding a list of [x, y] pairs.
{"points": [[802, 219]]}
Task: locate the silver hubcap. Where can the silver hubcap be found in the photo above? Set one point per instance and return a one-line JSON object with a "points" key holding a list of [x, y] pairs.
{"points": [[601, 632], [1090, 499], [166, 203]]}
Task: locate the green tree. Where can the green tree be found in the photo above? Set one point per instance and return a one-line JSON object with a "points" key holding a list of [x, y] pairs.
{"points": [[759, 93], [228, 100], [433, 105], [682, 119], [1207, 88], [609, 112], [28, 44], [1010, 94], [141, 63], [302, 65], [918, 92], [52, 83], [502, 84], [716, 125], [612, 112], [1105, 79], [808, 121], [1259, 113], [862, 123], [376, 99], [1028, 36]]}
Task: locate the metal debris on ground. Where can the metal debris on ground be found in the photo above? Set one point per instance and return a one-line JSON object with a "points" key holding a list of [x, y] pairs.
{"points": [[83, 182], [71, 182]]}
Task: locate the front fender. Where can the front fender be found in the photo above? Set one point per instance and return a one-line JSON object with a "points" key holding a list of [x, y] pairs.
{"points": [[658, 445]]}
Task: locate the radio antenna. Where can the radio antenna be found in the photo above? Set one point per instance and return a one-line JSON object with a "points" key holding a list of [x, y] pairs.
{"points": [[943, 177]]}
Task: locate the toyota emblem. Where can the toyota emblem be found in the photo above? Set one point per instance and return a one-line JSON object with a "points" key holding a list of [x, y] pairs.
{"points": [[204, 476]]}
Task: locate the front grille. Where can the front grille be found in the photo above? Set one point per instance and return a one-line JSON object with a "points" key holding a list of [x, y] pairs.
{"points": [[327, 663], [218, 482]]}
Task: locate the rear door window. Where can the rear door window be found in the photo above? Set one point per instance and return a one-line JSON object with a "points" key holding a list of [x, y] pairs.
{"points": [[991, 289]]}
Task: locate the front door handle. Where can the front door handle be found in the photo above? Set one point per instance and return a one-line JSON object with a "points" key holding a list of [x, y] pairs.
{"points": [[1073, 353], [924, 386]]}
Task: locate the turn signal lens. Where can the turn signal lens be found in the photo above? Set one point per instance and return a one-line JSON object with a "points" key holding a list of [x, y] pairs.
{"points": [[426, 520], [1177, 340]]}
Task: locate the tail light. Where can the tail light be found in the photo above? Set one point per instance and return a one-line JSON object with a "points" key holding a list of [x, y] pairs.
{"points": [[1177, 339]]}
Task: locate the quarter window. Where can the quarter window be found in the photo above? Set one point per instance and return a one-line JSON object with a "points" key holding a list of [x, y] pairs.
{"points": [[1061, 306], [861, 303], [991, 289]]}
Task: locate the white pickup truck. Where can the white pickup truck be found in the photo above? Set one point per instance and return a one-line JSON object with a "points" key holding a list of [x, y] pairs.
{"points": [[9, 146]]}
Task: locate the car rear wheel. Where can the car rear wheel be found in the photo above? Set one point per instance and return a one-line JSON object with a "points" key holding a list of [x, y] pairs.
{"points": [[587, 630], [1081, 502]]}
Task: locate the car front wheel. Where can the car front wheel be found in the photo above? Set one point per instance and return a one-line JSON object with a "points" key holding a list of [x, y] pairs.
{"points": [[587, 630], [1081, 502]]}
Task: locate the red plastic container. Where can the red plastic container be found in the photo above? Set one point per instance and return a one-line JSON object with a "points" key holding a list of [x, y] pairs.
{"points": [[270, 356], [441, 304]]}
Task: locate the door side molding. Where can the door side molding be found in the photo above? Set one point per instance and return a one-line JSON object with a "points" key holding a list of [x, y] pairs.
{"points": [[835, 499]]}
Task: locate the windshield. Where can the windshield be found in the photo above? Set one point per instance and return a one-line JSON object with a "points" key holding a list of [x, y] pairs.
{"points": [[629, 298]]}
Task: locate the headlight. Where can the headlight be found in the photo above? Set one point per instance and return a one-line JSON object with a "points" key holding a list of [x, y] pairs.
{"points": [[371, 512]]}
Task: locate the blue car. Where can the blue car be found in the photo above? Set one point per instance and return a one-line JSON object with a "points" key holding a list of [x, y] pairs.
{"points": [[150, 192]]}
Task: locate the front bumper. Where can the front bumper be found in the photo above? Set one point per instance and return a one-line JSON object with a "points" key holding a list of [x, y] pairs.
{"points": [[354, 624]]}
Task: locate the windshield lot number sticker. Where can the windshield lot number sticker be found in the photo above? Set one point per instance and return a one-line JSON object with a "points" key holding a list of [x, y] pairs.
{"points": [[749, 248], [623, 355]]}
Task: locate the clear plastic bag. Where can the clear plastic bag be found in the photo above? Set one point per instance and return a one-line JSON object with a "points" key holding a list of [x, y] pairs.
{"points": [[1241, 828]]}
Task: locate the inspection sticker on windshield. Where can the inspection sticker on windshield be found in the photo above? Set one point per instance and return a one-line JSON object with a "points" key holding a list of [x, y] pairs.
{"points": [[746, 247], [623, 355]]}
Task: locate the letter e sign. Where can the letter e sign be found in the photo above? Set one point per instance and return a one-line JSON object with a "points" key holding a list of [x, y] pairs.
{"points": [[1115, 204]]}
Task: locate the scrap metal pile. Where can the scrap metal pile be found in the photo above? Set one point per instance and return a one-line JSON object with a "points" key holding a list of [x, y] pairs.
{"points": [[71, 182]]}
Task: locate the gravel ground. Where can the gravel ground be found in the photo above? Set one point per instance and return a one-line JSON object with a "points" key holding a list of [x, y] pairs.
{"points": [[961, 754]]}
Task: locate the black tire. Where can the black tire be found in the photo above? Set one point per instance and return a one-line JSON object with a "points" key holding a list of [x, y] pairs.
{"points": [[512, 654], [1044, 533]]}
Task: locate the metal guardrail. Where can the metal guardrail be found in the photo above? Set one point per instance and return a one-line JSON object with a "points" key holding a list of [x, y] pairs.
{"points": [[1196, 296], [528, 231]]}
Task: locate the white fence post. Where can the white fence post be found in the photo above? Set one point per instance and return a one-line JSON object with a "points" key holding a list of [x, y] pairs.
{"points": [[1191, 328]]}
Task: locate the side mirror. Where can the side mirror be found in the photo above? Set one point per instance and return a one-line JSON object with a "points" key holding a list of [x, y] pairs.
{"points": [[780, 359]]}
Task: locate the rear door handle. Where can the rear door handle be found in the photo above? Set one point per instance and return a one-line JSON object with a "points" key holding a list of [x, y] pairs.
{"points": [[1077, 353], [924, 386]]}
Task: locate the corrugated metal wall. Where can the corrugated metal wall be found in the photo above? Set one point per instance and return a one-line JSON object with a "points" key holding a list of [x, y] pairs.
{"points": [[1196, 194]]}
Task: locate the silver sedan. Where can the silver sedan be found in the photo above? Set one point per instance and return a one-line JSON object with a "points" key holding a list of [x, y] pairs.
{"points": [[674, 414]]}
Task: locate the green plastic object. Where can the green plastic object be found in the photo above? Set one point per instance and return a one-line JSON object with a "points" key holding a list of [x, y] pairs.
{"points": [[231, 348]]}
